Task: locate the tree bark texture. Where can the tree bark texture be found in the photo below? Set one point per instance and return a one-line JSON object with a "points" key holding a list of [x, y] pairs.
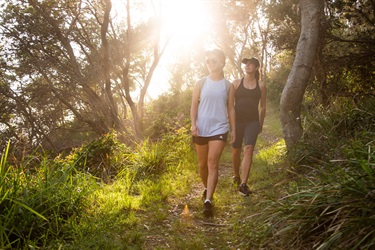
{"points": [[292, 96]]}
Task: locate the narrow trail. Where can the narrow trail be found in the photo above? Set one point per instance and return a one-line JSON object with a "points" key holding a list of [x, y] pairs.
{"points": [[177, 229], [193, 224]]}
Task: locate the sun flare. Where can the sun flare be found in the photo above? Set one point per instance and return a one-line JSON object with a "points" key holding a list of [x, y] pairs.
{"points": [[184, 21], [185, 24]]}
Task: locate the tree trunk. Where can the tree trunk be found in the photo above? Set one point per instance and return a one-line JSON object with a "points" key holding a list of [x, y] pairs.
{"points": [[292, 96]]}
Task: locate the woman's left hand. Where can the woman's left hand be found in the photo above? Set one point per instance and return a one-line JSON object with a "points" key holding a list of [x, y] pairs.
{"points": [[232, 136]]}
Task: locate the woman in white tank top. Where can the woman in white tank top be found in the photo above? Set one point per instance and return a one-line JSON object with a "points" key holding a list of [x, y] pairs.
{"points": [[211, 107]]}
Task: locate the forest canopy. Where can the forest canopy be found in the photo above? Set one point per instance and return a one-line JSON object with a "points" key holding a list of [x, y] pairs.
{"points": [[74, 70]]}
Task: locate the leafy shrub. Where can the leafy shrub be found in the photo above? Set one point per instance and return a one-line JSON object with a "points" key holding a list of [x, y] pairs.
{"points": [[168, 113]]}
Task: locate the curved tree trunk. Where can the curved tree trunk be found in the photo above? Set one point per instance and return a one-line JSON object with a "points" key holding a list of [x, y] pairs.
{"points": [[292, 96]]}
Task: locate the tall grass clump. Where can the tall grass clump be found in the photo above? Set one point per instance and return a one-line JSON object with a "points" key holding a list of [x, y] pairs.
{"points": [[151, 161], [330, 204], [37, 203], [98, 158]]}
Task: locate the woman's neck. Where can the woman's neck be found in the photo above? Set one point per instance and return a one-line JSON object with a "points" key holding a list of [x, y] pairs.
{"points": [[250, 76], [216, 76]]}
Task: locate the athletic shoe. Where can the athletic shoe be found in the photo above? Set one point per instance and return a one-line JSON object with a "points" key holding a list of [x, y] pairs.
{"points": [[244, 190], [236, 180], [207, 209]]}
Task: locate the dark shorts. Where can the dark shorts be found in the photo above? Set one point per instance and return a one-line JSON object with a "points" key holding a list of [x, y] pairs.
{"points": [[204, 140], [246, 131]]}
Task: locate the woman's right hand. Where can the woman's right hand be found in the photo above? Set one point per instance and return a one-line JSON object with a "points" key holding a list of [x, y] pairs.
{"points": [[194, 130]]}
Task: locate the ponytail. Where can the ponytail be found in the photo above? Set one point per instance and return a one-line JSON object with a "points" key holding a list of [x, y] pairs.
{"points": [[257, 75]]}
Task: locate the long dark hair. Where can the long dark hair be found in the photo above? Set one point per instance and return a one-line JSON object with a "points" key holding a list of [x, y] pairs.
{"points": [[255, 61], [257, 75]]}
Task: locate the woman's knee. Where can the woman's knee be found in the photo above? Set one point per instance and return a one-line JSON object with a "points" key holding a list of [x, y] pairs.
{"points": [[213, 164], [203, 165], [248, 150], [236, 152]]}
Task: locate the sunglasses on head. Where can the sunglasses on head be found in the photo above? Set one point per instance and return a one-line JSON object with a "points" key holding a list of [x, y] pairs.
{"points": [[211, 60]]}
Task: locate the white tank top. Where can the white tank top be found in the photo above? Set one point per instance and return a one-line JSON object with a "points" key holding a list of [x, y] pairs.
{"points": [[212, 118]]}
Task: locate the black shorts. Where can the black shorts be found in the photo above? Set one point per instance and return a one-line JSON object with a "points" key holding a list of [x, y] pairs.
{"points": [[246, 131], [200, 140]]}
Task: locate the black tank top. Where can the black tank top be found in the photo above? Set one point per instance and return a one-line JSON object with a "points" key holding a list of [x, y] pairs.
{"points": [[247, 102]]}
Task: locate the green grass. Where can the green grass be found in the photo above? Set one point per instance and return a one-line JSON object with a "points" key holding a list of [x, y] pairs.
{"points": [[37, 203], [272, 123]]}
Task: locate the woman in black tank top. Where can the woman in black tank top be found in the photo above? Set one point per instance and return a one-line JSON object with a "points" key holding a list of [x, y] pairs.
{"points": [[247, 102], [250, 108]]}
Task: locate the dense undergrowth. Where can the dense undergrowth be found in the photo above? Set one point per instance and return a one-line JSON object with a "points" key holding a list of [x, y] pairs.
{"points": [[329, 200], [105, 195], [78, 200]]}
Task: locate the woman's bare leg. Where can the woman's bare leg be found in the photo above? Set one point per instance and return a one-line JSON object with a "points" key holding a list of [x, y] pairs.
{"points": [[202, 152], [246, 162], [215, 149], [236, 159]]}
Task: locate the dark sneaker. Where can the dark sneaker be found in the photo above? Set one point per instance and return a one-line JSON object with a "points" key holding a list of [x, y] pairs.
{"points": [[207, 209], [244, 190], [204, 194], [236, 180]]}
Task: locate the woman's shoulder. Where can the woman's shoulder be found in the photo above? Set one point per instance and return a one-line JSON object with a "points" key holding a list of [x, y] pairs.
{"points": [[236, 82], [201, 80]]}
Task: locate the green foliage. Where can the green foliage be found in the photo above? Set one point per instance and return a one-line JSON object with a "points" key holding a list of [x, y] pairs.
{"points": [[154, 181], [271, 155], [278, 77], [286, 17], [330, 203], [60, 93], [344, 65], [167, 114], [348, 52]]}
